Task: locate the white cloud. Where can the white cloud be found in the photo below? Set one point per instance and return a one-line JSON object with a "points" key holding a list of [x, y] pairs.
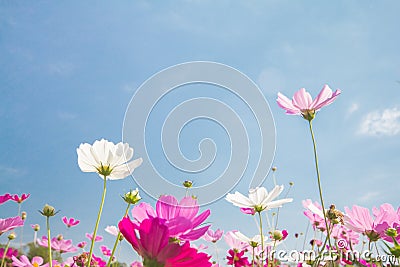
{"points": [[271, 80], [381, 122], [366, 198], [353, 108], [11, 171]]}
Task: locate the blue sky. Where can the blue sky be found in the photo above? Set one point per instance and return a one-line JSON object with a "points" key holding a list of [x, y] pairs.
{"points": [[69, 70]]}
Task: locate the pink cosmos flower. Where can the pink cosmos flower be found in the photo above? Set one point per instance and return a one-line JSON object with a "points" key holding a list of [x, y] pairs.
{"points": [[342, 232], [10, 252], [5, 198], [181, 218], [23, 261], [19, 199], [390, 218], [212, 236], [10, 223], [303, 104], [99, 238], [233, 242], [58, 244], [105, 250], [81, 244], [70, 222], [136, 264], [151, 240], [250, 211], [237, 259], [314, 214], [359, 220]]}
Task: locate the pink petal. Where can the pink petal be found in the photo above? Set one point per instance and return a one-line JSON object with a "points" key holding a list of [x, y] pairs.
{"points": [[302, 99]]}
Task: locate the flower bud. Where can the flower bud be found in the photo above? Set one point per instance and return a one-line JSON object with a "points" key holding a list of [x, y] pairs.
{"points": [[274, 169], [12, 236], [187, 184], [391, 232], [277, 235], [23, 215], [132, 197], [48, 211], [60, 237], [291, 183], [36, 227]]}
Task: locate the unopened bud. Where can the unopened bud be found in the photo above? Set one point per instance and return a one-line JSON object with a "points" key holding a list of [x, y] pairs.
{"points": [[291, 183], [23, 215], [48, 211], [60, 237], [187, 184], [274, 169], [391, 232], [36, 227], [277, 235], [132, 197], [12, 236]]}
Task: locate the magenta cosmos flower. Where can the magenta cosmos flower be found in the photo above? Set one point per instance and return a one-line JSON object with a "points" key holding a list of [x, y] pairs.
{"points": [[19, 199], [70, 222], [303, 104], [212, 236], [5, 198], [10, 223], [180, 218], [10, 252], [151, 240]]}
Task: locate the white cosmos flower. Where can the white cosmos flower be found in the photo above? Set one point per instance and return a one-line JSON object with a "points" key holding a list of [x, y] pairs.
{"points": [[107, 159], [254, 242], [259, 199]]}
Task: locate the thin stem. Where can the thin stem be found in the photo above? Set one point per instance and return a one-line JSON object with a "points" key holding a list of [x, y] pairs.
{"points": [[262, 238], [252, 264], [5, 253], [49, 240], [97, 221], [277, 213], [319, 184], [216, 252], [117, 239]]}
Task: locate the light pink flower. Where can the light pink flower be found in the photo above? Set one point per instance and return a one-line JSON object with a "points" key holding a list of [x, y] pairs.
{"points": [[70, 222], [5, 198], [212, 236], [360, 220], [342, 232], [61, 245], [314, 214], [19, 199], [112, 229], [150, 239], [181, 218], [99, 238], [303, 104], [136, 264], [233, 242], [23, 261], [10, 223]]}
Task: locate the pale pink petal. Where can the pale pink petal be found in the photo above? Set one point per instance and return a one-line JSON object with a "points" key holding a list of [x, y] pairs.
{"points": [[302, 99]]}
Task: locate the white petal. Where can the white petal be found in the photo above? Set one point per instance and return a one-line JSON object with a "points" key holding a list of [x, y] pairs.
{"points": [[278, 203], [239, 200], [273, 194]]}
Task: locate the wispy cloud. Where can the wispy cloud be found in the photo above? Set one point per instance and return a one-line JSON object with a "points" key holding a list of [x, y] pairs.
{"points": [[61, 68], [381, 122], [66, 115], [353, 108], [271, 80], [369, 196], [10, 171]]}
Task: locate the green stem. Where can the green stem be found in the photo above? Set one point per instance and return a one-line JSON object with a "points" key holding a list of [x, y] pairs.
{"points": [[49, 240], [252, 264], [5, 253], [319, 185], [97, 221], [262, 239], [117, 239]]}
